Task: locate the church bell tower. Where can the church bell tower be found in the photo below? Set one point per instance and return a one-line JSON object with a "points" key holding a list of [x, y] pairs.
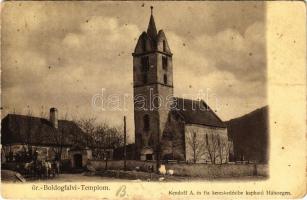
{"points": [[153, 89]]}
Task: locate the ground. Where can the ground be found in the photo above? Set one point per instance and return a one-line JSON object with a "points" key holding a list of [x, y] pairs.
{"points": [[117, 176], [97, 178], [76, 178]]}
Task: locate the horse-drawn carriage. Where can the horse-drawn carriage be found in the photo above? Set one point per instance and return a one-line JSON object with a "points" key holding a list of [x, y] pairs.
{"points": [[36, 165], [41, 169]]}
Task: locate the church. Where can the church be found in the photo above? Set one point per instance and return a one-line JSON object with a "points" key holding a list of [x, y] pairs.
{"points": [[168, 127]]}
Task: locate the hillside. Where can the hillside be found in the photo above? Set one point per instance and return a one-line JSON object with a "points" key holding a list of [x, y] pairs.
{"points": [[250, 135]]}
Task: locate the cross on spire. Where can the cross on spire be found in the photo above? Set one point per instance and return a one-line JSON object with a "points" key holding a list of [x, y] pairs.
{"points": [[151, 9]]}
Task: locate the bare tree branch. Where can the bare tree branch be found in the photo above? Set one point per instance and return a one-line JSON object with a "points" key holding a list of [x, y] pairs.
{"points": [[196, 144]]}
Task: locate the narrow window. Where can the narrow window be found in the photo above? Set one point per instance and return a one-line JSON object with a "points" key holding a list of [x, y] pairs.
{"points": [[164, 62], [165, 79], [145, 68], [207, 141], [146, 123], [164, 46], [145, 63], [144, 45]]}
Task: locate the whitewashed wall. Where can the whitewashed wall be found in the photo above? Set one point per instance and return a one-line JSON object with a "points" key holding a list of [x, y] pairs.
{"points": [[44, 152]]}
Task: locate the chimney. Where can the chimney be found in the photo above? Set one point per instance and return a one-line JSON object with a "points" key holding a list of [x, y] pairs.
{"points": [[54, 117]]}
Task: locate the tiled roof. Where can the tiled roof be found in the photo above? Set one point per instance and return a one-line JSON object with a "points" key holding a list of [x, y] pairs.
{"points": [[21, 129], [197, 112]]}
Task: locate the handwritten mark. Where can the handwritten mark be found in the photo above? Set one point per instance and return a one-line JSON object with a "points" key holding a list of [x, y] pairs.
{"points": [[121, 192]]}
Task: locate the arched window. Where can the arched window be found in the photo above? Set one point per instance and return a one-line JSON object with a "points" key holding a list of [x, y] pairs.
{"points": [[146, 123], [165, 79], [164, 45], [207, 140]]}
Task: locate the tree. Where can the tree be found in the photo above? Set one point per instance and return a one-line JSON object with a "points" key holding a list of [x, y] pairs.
{"points": [[102, 136], [225, 150], [88, 126], [211, 147], [196, 145], [43, 114], [107, 137], [216, 148], [60, 134]]}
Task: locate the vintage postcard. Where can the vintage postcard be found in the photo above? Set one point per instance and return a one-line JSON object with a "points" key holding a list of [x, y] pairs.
{"points": [[153, 100]]}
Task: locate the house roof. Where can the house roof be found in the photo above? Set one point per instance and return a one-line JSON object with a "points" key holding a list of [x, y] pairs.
{"points": [[196, 112], [21, 129]]}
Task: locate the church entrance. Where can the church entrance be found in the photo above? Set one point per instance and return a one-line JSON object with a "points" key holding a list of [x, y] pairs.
{"points": [[148, 156], [78, 161]]}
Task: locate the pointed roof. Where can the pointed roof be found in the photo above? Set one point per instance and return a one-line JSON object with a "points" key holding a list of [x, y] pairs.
{"points": [[197, 112], [152, 30], [150, 41]]}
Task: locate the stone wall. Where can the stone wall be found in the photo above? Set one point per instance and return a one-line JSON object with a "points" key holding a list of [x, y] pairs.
{"points": [[216, 171], [119, 164], [192, 170]]}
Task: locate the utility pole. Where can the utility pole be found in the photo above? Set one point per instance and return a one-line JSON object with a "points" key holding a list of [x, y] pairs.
{"points": [[125, 136], [158, 146], [108, 144]]}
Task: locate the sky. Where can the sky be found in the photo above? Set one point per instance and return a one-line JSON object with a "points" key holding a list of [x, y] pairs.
{"points": [[62, 54]]}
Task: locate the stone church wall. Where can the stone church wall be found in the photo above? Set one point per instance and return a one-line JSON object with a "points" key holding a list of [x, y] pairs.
{"points": [[144, 138], [172, 142], [138, 78]]}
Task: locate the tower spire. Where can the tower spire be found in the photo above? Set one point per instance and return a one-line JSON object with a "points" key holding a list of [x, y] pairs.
{"points": [[152, 30]]}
